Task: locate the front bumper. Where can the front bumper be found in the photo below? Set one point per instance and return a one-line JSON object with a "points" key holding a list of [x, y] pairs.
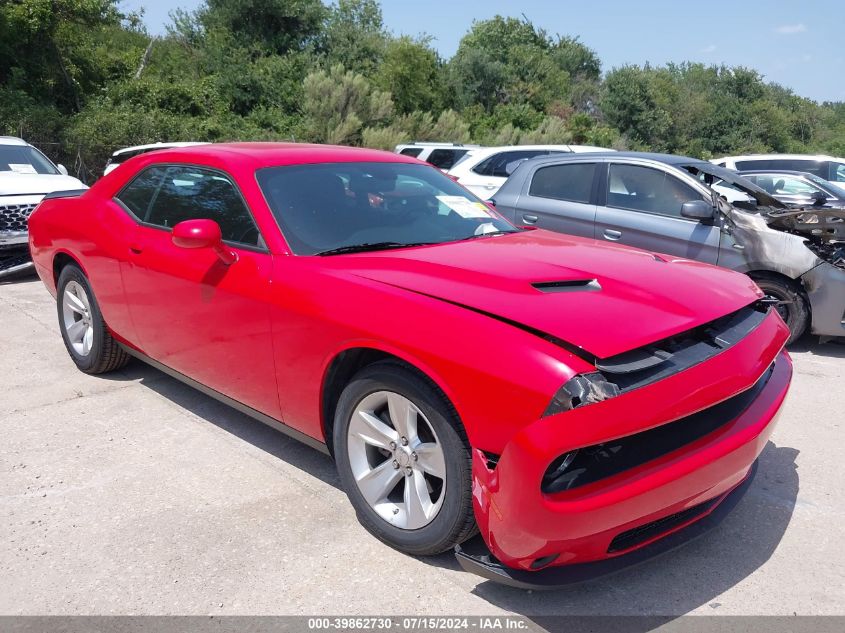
{"points": [[475, 557], [825, 285], [527, 530]]}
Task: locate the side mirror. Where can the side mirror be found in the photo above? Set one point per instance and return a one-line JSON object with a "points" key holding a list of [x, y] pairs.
{"points": [[820, 199], [62, 169], [202, 234], [697, 210]]}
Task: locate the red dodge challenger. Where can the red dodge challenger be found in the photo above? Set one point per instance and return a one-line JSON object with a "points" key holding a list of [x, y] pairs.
{"points": [[580, 404]]}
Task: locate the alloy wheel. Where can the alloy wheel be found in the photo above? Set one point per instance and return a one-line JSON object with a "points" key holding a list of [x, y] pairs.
{"points": [[396, 459], [76, 318]]}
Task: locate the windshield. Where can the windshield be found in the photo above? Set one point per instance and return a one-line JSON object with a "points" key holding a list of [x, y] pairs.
{"points": [[372, 205], [836, 190], [24, 159], [712, 174]]}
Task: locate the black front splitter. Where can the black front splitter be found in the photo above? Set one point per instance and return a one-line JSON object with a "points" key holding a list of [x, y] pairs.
{"points": [[474, 557]]}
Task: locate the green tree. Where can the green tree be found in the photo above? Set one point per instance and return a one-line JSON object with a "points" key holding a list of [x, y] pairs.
{"points": [[276, 26], [338, 104], [409, 71], [353, 35]]}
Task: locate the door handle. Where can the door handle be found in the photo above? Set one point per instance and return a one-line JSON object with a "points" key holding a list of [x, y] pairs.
{"points": [[610, 234], [529, 219], [490, 185], [135, 248]]}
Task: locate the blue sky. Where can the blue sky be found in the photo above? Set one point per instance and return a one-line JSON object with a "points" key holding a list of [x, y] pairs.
{"points": [[795, 43]]}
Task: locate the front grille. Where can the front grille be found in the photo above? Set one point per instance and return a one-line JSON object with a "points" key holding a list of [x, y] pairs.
{"points": [[13, 217], [648, 531], [599, 461]]}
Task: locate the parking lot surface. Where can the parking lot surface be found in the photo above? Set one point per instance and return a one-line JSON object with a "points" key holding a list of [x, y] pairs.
{"points": [[131, 493]]}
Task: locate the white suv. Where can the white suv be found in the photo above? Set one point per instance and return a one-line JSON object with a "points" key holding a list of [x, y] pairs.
{"points": [[122, 155], [828, 168], [26, 175], [484, 170], [441, 155]]}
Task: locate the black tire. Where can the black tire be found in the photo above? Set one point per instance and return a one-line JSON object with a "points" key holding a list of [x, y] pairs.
{"points": [[105, 354], [793, 306], [455, 521]]}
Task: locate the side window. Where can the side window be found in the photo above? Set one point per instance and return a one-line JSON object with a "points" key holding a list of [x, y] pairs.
{"points": [[646, 189], [836, 172], [189, 193], [572, 182], [503, 164], [445, 158], [794, 186], [485, 167], [138, 195], [411, 151]]}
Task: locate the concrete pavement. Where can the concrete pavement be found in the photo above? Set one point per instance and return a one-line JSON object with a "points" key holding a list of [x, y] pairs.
{"points": [[134, 494]]}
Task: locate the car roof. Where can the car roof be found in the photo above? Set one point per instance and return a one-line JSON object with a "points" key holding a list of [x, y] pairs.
{"points": [[780, 157], [784, 172], [152, 146], [669, 159], [12, 140], [262, 154]]}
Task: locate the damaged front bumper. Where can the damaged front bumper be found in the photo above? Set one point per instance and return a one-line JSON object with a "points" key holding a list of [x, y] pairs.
{"points": [[723, 409], [825, 286], [474, 556]]}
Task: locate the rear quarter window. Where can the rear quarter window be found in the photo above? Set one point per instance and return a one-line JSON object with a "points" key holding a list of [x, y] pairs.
{"points": [[445, 158], [571, 183]]}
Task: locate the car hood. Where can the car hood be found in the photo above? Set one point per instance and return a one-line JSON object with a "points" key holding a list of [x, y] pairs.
{"points": [[13, 184], [602, 298]]}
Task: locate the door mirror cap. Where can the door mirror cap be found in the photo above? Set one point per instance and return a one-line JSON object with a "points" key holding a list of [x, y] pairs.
{"points": [[697, 210], [202, 234], [62, 169]]}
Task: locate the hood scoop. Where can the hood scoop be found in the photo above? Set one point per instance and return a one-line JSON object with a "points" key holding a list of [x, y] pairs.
{"points": [[568, 285]]}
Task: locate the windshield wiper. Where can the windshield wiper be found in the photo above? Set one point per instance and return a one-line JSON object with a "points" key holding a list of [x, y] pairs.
{"points": [[487, 234], [370, 246]]}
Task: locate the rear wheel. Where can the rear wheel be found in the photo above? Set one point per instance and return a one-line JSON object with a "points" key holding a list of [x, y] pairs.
{"points": [[404, 461], [86, 337], [789, 300]]}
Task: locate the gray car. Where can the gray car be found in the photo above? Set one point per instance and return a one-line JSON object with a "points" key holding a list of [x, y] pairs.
{"points": [[696, 210]]}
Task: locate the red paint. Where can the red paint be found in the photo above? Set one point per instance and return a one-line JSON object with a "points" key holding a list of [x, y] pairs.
{"points": [[265, 328]]}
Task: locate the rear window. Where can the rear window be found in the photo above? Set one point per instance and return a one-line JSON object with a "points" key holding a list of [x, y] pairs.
{"points": [[445, 158], [818, 167], [413, 152], [572, 182], [503, 164]]}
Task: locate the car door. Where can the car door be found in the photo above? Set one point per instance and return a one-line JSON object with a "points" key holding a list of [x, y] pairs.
{"points": [[191, 311], [643, 209], [560, 198]]}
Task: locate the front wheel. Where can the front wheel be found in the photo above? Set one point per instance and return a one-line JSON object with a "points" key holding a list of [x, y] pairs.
{"points": [[404, 461], [789, 300]]}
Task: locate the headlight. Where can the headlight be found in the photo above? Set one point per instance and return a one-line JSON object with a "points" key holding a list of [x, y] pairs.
{"points": [[580, 390]]}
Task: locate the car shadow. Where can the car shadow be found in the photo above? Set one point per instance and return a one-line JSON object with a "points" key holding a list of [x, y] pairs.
{"points": [[232, 421], [658, 591], [834, 348]]}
